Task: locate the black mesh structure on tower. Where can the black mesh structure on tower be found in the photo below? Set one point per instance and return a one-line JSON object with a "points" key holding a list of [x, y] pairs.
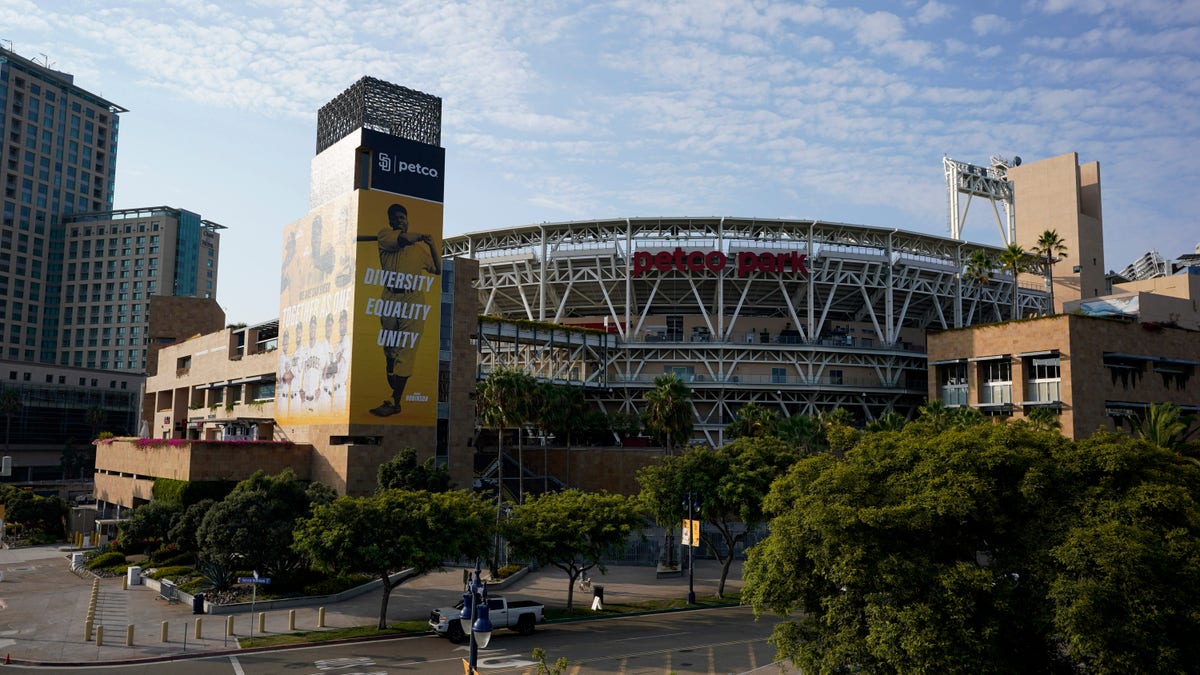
{"points": [[383, 106]]}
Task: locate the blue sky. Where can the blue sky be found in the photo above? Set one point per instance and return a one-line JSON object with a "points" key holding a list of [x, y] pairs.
{"points": [[576, 110]]}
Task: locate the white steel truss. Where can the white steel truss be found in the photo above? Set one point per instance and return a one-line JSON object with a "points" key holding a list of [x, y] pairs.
{"points": [[893, 284]]}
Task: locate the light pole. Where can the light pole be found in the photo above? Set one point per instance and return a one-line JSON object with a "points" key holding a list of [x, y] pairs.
{"points": [[692, 503], [475, 606]]}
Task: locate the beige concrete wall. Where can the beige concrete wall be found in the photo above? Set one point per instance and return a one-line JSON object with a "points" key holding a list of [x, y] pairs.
{"points": [[590, 469], [125, 472], [1082, 342], [1060, 194], [177, 318]]}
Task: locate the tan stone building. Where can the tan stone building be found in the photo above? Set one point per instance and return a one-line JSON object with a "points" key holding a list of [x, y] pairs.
{"points": [[1097, 367]]}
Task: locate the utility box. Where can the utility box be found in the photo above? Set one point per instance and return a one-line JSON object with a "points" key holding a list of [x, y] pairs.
{"points": [[135, 575], [76, 561]]}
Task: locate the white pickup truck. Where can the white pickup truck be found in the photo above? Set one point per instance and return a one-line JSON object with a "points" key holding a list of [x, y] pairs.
{"points": [[520, 616]]}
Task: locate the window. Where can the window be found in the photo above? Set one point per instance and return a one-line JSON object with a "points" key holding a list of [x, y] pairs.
{"points": [[996, 381], [1042, 380], [952, 379]]}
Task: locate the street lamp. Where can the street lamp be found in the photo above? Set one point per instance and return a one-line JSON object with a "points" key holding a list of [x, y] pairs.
{"points": [[692, 502], [475, 606]]}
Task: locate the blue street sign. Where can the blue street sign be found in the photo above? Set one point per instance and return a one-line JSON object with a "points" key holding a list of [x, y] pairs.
{"points": [[254, 580]]}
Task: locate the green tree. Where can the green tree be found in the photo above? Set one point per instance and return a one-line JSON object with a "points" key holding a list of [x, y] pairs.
{"points": [[1014, 259], [754, 421], [889, 421], [805, 433], [563, 408], [499, 403], [1164, 425], [914, 553], [729, 485], [95, 417], [978, 269], [668, 413], [392, 531], [987, 549], [253, 524], [1051, 247], [32, 512], [187, 524], [148, 526], [1128, 569], [572, 530], [402, 472], [10, 404]]}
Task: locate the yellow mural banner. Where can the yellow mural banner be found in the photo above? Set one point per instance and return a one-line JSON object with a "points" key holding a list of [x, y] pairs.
{"points": [[397, 310]]}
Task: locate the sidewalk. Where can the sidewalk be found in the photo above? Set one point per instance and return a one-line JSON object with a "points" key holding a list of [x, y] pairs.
{"points": [[43, 606]]}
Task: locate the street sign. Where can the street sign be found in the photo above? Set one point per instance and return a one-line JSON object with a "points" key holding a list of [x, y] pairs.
{"points": [[254, 580]]}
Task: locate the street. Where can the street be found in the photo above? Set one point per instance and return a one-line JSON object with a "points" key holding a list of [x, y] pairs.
{"points": [[722, 640]]}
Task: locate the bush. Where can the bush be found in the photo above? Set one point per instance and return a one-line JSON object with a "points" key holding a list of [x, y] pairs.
{"points": [[179, 559], [508, 571], [163, 553], [105, 560], [336, 584], [173, 572]]}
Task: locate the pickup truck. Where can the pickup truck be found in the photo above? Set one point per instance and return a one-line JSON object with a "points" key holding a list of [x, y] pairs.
{"points": [[520, 616]]}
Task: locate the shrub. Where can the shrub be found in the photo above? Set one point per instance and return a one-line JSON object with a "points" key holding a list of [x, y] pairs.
{"points": [[336, 584], [179, 559], [105, 560], [173, 572], [163, 553], [507, 571]]}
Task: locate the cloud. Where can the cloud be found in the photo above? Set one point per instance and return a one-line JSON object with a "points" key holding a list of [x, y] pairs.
{"points": [[990, 24], [932, 12]]}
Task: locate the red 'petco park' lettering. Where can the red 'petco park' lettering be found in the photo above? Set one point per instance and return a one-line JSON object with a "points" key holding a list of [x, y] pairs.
{"points": [[715, 261]]}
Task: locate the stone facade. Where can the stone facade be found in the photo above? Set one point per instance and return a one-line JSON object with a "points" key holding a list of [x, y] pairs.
{"points": [[1109, 369]]}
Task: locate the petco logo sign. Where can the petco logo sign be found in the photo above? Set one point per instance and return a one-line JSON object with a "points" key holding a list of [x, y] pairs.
{"points": [[715, 261]]}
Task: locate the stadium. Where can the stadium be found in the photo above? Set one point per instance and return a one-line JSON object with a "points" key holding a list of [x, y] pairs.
{"points": [[800, 316]]}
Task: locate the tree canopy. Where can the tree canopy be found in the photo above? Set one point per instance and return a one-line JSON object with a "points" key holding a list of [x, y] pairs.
{"points": [[393, 531], [402, 472], [728, 486], [668, 412], [957, 547], [253, 525], [571, 530]]}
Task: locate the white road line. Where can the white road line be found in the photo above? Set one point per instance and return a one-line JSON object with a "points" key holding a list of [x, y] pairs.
{"points": [[237, 667], [651, 637]]}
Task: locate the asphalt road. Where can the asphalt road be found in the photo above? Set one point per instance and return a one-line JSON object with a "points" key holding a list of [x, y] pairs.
{"points": [[713, 641]]}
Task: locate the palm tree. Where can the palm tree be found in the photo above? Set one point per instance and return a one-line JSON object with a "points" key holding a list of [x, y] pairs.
{"points": [[753, 421], [1052, 246], [888, 421], [804, 433], [1166, 426], [496, 401], [1014, 259], [979, 267], [668, 412]]}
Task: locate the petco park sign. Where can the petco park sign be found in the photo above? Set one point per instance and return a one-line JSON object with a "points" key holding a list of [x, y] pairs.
{"points": [[715, 261]]}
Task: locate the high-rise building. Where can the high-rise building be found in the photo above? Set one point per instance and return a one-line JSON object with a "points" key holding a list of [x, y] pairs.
{"points": [[58, 152], [116, 260]]}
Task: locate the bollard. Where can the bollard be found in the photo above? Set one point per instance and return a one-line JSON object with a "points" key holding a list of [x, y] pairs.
{"points": [[291, 619], [163, 637], [100, 635], [129, 635], [125, 582], [229, 625], [262, 622], [87, 630], [320, 617], [198, 628]]}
